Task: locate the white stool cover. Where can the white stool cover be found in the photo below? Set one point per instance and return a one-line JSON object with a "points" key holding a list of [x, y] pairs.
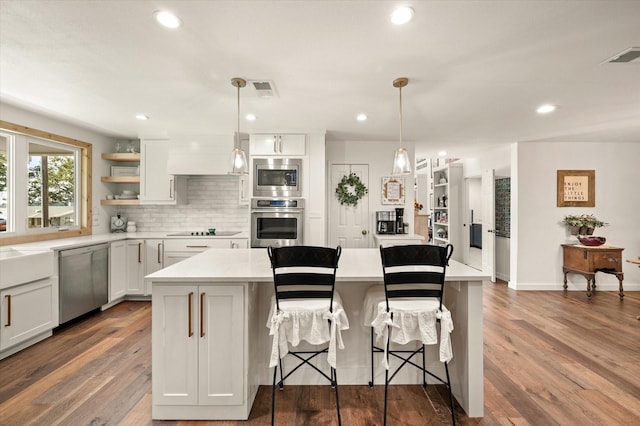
{"points": [[413, 320], [306, 319]]}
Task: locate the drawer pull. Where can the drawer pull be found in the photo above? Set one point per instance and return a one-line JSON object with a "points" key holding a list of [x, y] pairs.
{"points": [[8, 324], [197, 246], [189, 313], [202, 314]]}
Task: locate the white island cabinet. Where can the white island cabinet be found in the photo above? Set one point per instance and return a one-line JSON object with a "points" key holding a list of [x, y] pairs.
{"points": [[198, 347], [223, 297]]}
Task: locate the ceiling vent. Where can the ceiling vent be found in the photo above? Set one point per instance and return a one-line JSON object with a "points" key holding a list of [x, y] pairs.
{"points": [[631, 55], [264, 88]]}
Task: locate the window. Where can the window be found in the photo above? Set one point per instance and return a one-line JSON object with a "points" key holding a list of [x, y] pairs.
{"points": [[45, 191]]}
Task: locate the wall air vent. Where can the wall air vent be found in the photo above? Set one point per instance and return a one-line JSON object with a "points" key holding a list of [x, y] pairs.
{"points": [[264, 88], [631, 55]]}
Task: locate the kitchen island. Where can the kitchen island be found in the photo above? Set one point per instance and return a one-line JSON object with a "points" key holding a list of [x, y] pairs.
{"points": [[211, 344]]}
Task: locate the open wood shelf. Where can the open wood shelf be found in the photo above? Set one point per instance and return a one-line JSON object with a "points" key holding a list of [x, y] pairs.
{"points": [[121, 156], [119, 202], [121, 179]]}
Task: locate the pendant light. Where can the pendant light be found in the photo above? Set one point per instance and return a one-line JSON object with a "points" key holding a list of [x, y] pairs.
{"points": [[401, 165], [239, 165]]}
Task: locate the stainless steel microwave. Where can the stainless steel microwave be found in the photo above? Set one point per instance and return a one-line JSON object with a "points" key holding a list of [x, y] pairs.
{"points": [[277, 177]]}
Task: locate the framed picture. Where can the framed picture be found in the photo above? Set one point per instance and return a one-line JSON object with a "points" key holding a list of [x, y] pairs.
{"points": [[124, 171], [576, 188], [393, 190]]}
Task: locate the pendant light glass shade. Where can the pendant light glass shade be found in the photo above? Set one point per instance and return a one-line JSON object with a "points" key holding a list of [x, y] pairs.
{"points": [[401, 162], [239, 165]]}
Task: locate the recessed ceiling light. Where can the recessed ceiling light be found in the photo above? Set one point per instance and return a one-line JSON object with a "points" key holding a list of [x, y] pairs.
{"points": [[142, 117], [402, 15], [361, 117], [250, 117], [545, 109], [167, 19], [442, 153]]}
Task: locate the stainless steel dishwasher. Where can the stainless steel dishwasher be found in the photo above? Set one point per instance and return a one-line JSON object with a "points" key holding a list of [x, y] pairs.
{"points": [[84, 280]]}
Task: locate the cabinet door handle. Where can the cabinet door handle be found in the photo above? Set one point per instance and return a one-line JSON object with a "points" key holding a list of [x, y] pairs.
{"points": [[189, 314], [275, 144], [8, 324], [280, 144], [202, 314], [197, 246], [139, 252], [171, 188], [159, 258]]}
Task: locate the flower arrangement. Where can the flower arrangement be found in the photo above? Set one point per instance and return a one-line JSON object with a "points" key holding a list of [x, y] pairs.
{"points": [[417, 206], [583, 224]]}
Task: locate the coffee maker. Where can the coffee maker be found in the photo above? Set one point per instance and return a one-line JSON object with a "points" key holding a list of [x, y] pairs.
{"points": [[385, 222], [400, 221]]}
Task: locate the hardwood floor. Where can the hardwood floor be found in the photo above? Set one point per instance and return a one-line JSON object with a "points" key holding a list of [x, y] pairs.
{"points": [[550, 358]]}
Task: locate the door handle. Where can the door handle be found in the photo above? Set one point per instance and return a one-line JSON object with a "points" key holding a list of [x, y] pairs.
{"points": [[202, 314], [275, 144], [490, 230], [159, 258], [364, 232], [189, 314], [139, 252]]}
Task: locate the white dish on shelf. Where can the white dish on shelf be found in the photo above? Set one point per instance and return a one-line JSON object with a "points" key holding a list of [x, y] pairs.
{"points": [[128, 197]]}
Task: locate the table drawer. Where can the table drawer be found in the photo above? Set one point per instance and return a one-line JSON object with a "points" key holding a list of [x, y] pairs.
{"points": [[607, 260]]}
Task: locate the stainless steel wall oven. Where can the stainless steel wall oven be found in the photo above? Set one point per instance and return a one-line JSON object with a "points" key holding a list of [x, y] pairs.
{"points": [[277, 177], [276, 222]]}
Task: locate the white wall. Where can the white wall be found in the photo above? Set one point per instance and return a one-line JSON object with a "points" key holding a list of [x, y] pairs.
{"points": [[101, 143], [379, 157], [536, 261]]}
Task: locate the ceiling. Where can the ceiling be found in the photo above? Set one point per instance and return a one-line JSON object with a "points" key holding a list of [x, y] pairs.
{"points": [[477, 69]]}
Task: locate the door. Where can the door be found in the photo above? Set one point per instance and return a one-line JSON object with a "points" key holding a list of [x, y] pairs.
{"points": [[488, 221], [174, 339], [349, 226], [135, 266], [156, 185], [117, 270], [221, 346]]}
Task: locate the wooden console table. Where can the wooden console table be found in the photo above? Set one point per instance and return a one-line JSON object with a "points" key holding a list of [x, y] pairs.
{"points": [[587, 260]]}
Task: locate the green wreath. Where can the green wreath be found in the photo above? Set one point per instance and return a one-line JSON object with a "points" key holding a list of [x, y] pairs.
{"points": [[350, 190]]}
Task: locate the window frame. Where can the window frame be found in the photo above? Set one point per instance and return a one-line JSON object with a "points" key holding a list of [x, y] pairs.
{"points": [[84, 200]]}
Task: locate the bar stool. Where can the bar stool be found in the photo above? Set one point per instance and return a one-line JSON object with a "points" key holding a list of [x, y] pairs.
{"points": [[407, 309], [306, 307]]}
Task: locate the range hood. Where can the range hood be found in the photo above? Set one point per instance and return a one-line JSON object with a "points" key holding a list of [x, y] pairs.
{"points": [[206, 155]]}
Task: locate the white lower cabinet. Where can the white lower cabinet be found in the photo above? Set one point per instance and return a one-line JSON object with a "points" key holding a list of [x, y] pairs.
{"points": [[135, 267], [28, 310], [117, 270], [153, 259], [198, 351]]}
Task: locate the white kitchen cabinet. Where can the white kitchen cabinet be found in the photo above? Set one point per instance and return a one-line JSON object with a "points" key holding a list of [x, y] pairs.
{"points": [[198, 348], [135, 267], [157, 186], [27, 311], [176, 250], [117, 270], [277, 144], [244, 190], [153, 259]]}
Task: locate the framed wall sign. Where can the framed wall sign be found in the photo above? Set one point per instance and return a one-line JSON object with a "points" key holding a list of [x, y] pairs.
{"points": [[576, 188], [392, 190]]}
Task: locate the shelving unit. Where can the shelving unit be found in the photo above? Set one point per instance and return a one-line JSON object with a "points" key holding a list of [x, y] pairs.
{"points": [[445, 212], [121, 157]]}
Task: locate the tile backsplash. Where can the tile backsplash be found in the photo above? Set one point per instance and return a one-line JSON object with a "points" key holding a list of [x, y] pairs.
{"points": [[212, 202]]}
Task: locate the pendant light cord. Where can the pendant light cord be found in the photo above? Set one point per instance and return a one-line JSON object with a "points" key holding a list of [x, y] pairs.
{"points": [[400, 116], [238, 132]]}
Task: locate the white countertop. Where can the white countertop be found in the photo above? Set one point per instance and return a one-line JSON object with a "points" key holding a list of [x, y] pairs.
{"points": [[399, 236], [68, 243], [233, 265]]}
